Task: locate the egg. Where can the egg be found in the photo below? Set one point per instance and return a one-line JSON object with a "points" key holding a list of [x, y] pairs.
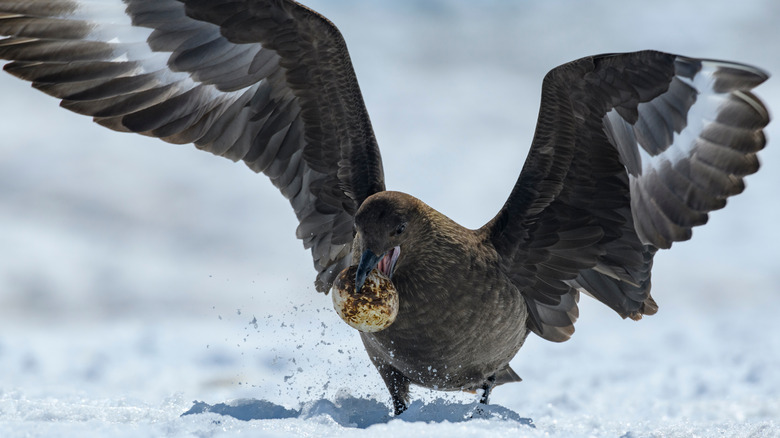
{"points": [[373, 308]]}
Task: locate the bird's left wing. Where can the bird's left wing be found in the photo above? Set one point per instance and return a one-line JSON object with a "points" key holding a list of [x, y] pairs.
{"points": [[631, 151], [268, 82]]}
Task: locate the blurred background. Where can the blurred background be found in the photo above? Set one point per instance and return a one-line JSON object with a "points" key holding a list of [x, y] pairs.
{"points": [[128, 264]]}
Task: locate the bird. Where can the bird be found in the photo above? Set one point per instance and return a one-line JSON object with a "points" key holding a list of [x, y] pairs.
{"points": [[630, 152]]}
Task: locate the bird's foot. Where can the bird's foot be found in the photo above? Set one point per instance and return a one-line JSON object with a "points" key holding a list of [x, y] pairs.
{"points": [[398, 385], [399, 406], [487, 387]]}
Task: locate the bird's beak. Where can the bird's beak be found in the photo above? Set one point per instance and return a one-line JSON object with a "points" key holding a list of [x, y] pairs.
{"points": [[368, 261]]}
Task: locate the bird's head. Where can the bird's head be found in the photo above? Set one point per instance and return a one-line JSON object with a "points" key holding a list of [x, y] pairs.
{"points": [[385, 224]]}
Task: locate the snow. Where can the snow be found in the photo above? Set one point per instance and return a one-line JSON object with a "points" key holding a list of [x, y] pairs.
{"points": [[140, 281]]}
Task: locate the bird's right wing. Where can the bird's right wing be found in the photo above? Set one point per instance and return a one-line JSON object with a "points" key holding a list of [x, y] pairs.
{"points": [[268, 82]]}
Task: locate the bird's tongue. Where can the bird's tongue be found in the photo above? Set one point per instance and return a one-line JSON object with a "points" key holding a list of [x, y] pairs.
{"points": [[387, 263]]}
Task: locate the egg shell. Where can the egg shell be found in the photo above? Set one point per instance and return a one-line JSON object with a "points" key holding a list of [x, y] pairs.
{"points": [[372, 309]]}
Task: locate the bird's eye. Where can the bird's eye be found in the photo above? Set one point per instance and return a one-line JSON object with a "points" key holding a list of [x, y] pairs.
{"points": [[400, 229]]}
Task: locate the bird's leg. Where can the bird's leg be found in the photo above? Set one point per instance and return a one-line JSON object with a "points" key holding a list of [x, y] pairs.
{"points": [[486, 388], [398, 385]]}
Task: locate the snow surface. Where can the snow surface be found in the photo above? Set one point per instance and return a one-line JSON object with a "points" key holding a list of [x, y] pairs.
{"points": [[137, 278]]}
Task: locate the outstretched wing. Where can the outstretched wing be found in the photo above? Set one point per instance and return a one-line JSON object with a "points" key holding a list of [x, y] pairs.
{"points": [[267, 82], [630, 152]]}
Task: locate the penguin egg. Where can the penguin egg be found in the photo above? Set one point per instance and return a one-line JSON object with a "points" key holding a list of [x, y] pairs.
{"points": [[371, 309]]}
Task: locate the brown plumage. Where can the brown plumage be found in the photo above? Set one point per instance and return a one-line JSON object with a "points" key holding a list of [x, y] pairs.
{"points": [[457, 326], [630, 152]]}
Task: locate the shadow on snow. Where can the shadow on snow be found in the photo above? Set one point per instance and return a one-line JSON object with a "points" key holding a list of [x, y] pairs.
{"points": [[349, 411]]}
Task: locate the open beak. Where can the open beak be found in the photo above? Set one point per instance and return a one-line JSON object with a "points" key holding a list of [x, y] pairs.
{"points": [[369, 261]]}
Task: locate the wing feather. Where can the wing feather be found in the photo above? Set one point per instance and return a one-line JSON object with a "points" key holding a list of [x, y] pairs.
{"points": [[266, 82], [631, 152]]}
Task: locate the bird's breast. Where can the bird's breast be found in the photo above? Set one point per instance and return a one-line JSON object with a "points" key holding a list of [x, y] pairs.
{"points": [[454, 326]]}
